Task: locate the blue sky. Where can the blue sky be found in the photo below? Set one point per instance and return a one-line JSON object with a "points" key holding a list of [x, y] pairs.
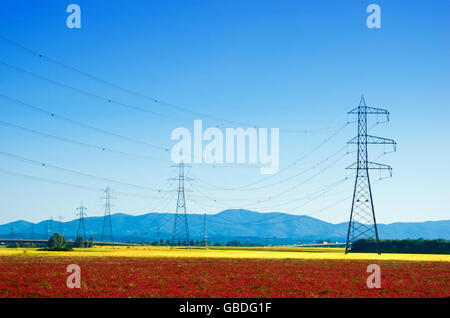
{"points": [[297, 65]]}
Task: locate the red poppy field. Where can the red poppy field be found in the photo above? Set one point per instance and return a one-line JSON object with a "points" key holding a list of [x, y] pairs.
{"points": [[25, 276]]}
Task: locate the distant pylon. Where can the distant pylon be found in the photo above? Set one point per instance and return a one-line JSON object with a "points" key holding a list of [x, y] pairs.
{"points": [[157, 233], [51, 227], [205, 234], [362, 222], [60, 226], [81, 227], [180, 225], [11, 234], [107, 231]]}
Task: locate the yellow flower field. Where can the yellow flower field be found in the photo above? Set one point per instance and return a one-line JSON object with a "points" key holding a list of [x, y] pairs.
{"points": [[224, 252]]}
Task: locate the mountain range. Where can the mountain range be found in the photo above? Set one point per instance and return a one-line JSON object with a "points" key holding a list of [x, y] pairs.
{"points": [[228, 225]]}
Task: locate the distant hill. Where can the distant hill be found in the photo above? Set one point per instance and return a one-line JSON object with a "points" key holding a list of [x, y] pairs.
{"points": [[243, 225]]}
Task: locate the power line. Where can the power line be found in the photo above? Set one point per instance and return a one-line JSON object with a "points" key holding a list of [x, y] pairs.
{"points": [[266, 199], [318, 194], [309, 198], [238, 188], [86, 93], [67, 184], [282, 169], [46, 165], [280, 214], [275, 197], [288, 178], [285, 179], [156, 202], [129, 91], [80, 124], [311, 177], [79, 143]]}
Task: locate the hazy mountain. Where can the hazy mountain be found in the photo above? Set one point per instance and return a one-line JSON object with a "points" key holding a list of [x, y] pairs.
{"points": [[244, 225]]}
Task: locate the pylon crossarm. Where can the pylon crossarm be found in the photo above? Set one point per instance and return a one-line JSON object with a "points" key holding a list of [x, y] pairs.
{"points": [[371, 166], [352, 166], [369, 110], [181, 178], [375, 140], [364, 110], [378, 166]]}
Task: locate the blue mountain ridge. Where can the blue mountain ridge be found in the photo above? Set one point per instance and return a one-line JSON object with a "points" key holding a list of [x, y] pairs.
{"points": [[236, 224]]}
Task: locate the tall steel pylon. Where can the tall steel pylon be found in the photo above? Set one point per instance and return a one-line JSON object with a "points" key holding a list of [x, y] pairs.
{"points": [[158, 233], [107, 231], [60, 231], [180, 225], [205, 233], [81, 227], [362, 222]]}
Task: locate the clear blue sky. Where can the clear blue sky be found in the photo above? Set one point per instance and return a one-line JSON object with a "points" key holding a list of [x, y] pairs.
{"points": [[289, 64]]}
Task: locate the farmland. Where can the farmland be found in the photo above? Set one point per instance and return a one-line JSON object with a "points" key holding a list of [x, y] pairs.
{"points": [[228, 252], [259, 272]]}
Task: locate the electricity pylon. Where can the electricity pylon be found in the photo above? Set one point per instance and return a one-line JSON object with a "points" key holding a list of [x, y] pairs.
{"points": [[180, 225], [157, 233], [60, 226], [81, 227], [107, 231], [362, 222], [205, 235]]}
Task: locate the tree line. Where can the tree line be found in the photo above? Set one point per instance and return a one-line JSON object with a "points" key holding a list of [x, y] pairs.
{"points": [[57, 242], [417, 246]]}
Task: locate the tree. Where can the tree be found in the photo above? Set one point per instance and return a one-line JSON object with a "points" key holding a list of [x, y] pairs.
{"points": [[57, 242], [234, 243], [79, 242]]}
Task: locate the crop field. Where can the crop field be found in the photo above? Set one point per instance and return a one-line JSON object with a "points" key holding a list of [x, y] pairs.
{"points": [[227, 252], [234, 272]]}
